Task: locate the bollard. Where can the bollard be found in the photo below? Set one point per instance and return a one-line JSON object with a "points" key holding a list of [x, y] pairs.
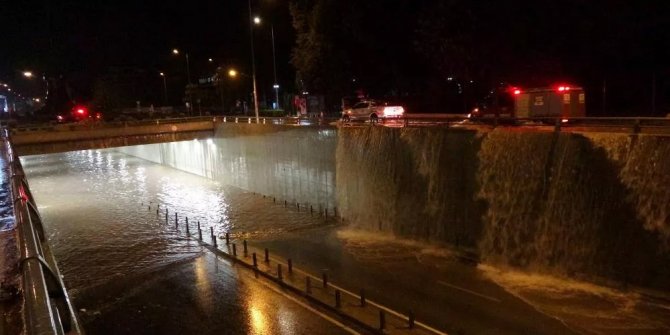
{"points": [[279, 275], [188, 233], [308, 285], [267, 255], [234, 250], [157, 213], [227, 238], [382, 320], [274, 200], [363, 302], [326, 212], [253, 256], [199, 232], [311, 209], [325, 280], [290, 266], [211, 231], [176, 220], [166, 216], [245, 247], [284, 203], [410, 319], [338, 301], [149, 207], [335, 211], [297, 205]]}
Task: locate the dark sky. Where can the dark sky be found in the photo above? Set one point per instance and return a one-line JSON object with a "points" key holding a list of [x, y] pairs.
{"points": [[82, 39]]}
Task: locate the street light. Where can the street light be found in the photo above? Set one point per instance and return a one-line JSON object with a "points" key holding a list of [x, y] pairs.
{"points": [[232, 73], [164, 88], [188, 65], [28, 74], [257, 20], [274, 63]]}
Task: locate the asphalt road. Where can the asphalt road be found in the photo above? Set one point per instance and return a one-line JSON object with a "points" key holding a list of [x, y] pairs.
{"points": [[201, 295]]}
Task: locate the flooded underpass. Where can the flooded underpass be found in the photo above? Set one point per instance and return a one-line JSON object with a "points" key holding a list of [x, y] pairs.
{"points": [[129, 271]]}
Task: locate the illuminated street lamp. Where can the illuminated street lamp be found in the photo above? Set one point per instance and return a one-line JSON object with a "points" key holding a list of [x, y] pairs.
{"points": [[232, 73], [255, 20], [188, 65], [28, 74], [164, 88]]}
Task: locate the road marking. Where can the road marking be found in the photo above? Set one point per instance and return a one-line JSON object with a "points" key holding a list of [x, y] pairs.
{"points": [[462, 289], [335, 322]]}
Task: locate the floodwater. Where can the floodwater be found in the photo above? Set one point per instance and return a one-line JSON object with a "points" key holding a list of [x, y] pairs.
{"points": [[121, 261], [130, 272]]}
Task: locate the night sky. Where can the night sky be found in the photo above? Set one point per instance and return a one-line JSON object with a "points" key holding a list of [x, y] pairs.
{"points": [[82, 39], [398, 46]]}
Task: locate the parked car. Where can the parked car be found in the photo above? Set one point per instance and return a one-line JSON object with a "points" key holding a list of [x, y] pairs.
{"points": [[372, 110]]}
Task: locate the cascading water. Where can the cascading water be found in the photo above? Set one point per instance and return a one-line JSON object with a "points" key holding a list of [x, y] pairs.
{"points": [[562, 203], [290, 163]]}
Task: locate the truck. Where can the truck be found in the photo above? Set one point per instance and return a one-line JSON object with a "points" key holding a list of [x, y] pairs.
{"points": [[560, 101]]}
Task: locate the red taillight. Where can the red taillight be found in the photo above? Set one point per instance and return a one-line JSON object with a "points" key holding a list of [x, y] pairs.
{"points": [[517, 92], [563, 88], [81, 111]]}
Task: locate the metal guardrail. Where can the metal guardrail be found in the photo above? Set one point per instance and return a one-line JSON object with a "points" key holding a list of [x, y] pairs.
{"points": [[46, 305]]}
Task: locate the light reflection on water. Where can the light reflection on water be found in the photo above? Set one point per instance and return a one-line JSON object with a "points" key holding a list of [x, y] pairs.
{"points": [[95, 208]]}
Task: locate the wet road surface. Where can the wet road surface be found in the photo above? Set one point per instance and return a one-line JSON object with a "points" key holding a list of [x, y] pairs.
{"points": [[129, 271]]}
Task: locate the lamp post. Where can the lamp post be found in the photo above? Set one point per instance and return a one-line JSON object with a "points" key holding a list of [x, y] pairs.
{"points": [[164, 88], [188, 77], [252, 20], [274, 63]]}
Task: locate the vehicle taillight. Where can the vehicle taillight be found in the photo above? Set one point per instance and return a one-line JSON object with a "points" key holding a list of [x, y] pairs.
{"points": [[394, 111], [517, 92], [563, 88]]}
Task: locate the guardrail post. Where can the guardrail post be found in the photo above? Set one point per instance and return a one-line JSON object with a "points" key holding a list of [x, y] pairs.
{"points": [[411, 319], [279, 274], [199, 232], [382, 320], [176, 221], [636, 126], [188, 233], [234, 250], [227, 238], [557, 127], [308, 285], [267, 255], [290, 266], [363, 302], [253, 257], [211, 231], [338, 299], [166, 215], [324, 279], [245, 248]]}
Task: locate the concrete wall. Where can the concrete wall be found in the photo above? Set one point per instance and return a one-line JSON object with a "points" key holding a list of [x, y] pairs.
{"points": [[296, 164]]}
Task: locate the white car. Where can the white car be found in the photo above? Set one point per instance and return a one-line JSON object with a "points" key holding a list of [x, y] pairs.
{"points": [[372, 111]]}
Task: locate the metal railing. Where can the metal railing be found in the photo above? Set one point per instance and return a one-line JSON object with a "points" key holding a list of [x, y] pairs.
{"points": [[46, 305]]}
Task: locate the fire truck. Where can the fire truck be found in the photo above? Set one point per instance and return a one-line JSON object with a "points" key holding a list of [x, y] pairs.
{"points": [[560, 101]]}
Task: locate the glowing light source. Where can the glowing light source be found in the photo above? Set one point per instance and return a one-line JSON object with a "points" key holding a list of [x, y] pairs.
{"points": [[28, 74], [517, 91], [175, 51], [257, 20]]}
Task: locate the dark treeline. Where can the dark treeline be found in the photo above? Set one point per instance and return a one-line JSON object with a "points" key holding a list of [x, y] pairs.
{"points": [[411, 48]]}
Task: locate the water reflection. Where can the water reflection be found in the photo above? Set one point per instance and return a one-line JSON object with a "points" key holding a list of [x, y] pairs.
{"points": [[95, 205]]}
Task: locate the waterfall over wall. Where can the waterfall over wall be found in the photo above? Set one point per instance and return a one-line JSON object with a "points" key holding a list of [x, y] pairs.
{"points": [[573, 204], [290, 163]]}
